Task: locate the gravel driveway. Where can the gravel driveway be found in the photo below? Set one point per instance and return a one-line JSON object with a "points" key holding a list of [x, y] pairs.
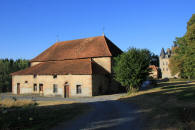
{"points": [[82, 99], [106, 113], [111, 115]]}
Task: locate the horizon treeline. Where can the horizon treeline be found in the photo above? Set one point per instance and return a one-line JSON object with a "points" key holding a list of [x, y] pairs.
{"points": [[8, 66]]}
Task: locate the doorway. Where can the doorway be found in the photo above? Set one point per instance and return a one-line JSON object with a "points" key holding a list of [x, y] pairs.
{"points": [[18, 88], [40, 88], [66, 90]]}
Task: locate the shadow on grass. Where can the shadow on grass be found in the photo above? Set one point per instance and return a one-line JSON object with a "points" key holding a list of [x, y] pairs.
{"points": [[178, 86], [111, 114], [170, 108], [39, 117], [163, 84]]}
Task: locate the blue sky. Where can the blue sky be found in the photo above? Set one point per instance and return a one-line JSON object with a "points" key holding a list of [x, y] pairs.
{"points": [[28, 27]]}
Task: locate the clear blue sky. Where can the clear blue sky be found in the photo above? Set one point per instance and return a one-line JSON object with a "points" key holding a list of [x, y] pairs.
{"points": [[28, 27]]}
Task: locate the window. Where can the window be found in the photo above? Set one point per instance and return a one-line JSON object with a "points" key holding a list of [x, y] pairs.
{"points": [[40, 87], [167, 69], [55, 76], [78, 89], [35, 87], [55, 88], [166, 63], [26, 82], [34, 76], [18, 88], [163, 69]]}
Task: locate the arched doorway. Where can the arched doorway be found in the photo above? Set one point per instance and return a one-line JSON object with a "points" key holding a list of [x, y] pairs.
{"points": [[66, 90]]}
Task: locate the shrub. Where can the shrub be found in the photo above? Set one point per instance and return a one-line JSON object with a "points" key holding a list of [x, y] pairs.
{"points": [[132, 68]]}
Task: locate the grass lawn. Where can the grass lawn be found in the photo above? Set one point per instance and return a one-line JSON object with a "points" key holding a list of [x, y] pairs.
{"points": [[27, 114], [167, 106]]}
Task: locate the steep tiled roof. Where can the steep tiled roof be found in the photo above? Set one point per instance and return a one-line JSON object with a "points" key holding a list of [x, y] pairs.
{"points": [[81, 48], [74, 67], [80, 66], [162, 54]]}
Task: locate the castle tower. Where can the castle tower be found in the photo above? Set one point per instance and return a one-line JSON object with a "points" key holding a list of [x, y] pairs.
{"points": [[162, 54], [164, 63]]}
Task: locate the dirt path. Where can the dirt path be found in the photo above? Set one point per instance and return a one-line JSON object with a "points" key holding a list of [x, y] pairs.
{"points": [[112, 115], [106, 113]]}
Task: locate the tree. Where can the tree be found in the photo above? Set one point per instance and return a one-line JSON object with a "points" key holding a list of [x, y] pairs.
{"points": [[178, 56], [183, 60], [131, 68], [8, 66], [154, 60]]}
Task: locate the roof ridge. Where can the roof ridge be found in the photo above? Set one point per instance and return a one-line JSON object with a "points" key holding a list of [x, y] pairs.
{"points": [[77, 39]]}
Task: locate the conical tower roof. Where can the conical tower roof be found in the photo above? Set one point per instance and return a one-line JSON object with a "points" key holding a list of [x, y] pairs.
{"points": [[162, 54]]}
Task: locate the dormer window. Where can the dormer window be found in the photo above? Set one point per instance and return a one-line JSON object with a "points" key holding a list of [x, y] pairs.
{"points": [[55, 76]]}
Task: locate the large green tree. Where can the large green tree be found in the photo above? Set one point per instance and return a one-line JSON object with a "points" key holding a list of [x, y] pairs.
{"points": [[131, 68], [183, 60]]}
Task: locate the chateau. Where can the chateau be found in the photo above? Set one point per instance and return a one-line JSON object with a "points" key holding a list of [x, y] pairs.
{"points": [[76, 68], [164, 63]]}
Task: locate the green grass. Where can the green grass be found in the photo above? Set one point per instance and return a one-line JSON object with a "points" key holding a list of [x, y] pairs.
{"points": [[39, 117], [168, 105]]}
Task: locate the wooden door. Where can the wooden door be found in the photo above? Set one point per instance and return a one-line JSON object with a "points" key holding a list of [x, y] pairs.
{"points": [[66, 91], [18, 88]]}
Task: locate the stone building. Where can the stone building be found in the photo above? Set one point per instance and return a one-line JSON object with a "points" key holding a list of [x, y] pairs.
{"points": [[76, 68], [164, 63], [154, 71]]}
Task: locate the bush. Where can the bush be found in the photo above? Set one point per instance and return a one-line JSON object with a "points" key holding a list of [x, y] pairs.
{"points": [[131, 68]]}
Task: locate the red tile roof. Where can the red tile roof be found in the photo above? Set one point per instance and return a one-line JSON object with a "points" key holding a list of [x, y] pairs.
{"points": [[74, 67], [73, 57], [153, 67], [99, 46]]}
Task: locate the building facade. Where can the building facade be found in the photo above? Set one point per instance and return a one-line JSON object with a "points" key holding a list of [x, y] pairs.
{"points": [[164, 63], [76, 68], [154, 72]]}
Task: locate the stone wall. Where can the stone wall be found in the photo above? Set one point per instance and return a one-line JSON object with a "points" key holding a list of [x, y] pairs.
{"points": [[100, 84], [154, 74], [105, 62], [47, 80], [164, 66]]}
